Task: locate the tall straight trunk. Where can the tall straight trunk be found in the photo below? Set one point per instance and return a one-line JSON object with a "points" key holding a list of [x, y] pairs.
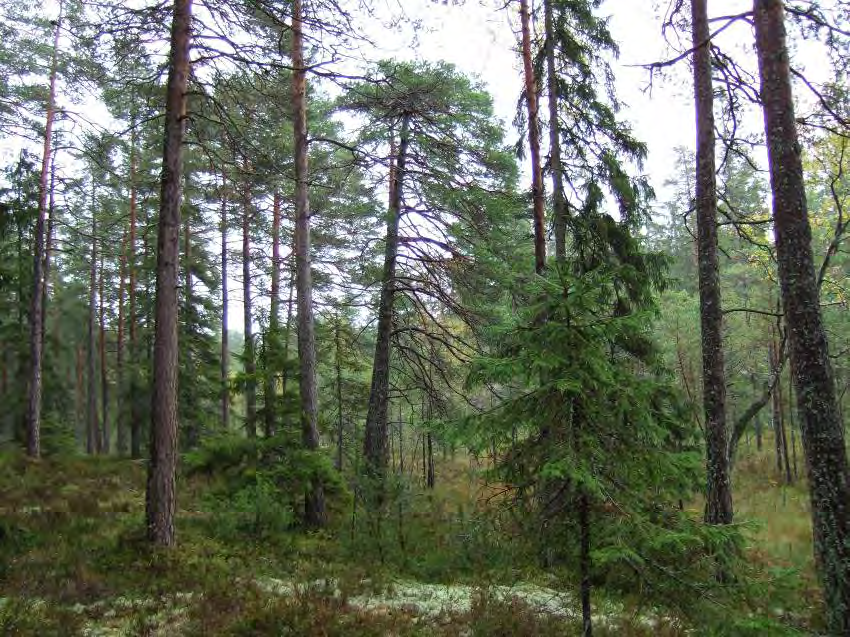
{"points": [[160, 501], [93, 440], [820, 428], [375, 445], [559, 203], [79, 393], [757, 421], [225, 343], [120, 428], [273, 340], [192, 433], [338, 370], [786, 457], [33, 418], [48, 245], [248, 352], [314, 501], [775, 404], [718, 505], [287, 330], [132, 318], [431, 477], [104, 379], [533, 141], [782, 456], [792, 426]]}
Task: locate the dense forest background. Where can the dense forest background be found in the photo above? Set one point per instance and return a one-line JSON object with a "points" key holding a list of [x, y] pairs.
{"points": [[483, 380]]}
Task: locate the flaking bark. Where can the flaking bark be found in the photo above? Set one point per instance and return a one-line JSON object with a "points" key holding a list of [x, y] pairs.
{"points": [[718, 506], [820, 428], [533, 141], [161, 497], [376, 444], [314, 505]]}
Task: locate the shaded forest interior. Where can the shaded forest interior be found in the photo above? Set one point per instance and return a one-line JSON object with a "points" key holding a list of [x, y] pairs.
{"points": [[294, 341]]}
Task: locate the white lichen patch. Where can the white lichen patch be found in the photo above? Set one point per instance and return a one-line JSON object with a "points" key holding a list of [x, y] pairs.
{"points": [[433, 601], [130, 616]]}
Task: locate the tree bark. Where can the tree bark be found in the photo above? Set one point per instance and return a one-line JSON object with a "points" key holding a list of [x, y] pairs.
{"points": [[376, 444], [430, 479], [783, 462], [225, 343], [559, 203], [248, 352], [93, 439], [37, 309], [120, 428], [533, 141], [161, 497], [820, 429], [48, 245], [314, 501], [338, 370], [192, 436], [273, 340], [718, 506], [79, 393], [135, 416], [105, 444]]}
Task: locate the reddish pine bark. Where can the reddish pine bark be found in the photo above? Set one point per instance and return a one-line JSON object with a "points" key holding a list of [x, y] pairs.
{"points": [[248, 314], [93, 438], [314, 506], [135, 417], [533, 141], [273, 340], [161, 497], [225, 344], [120, 427], [37, 309]]}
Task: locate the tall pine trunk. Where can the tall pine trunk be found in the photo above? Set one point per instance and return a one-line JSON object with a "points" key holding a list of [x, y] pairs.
{"points": [[48, 245], [273, 340], [338, 370], [820, 428], [193, 434], [376, 443], [93, 438], [133, 394], [120, 428], [718, 505], [314, 505], [160, 501], [533, 141], [225, 342], [105, 444], [559, 203], [248, 352], [37, 310]]}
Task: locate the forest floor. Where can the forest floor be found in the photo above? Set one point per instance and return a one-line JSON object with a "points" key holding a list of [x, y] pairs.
{"points": [[73, 561]]}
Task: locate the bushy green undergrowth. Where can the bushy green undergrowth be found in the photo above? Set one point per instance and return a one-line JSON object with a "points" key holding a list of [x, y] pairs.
{"points": [[72, 554]]}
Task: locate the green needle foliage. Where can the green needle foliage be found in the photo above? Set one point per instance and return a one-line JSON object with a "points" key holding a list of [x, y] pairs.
{"points": [[588, 411]]}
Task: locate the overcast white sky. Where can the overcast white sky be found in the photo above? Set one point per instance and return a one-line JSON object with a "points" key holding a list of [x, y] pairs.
{"points": [[480, 40]]}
